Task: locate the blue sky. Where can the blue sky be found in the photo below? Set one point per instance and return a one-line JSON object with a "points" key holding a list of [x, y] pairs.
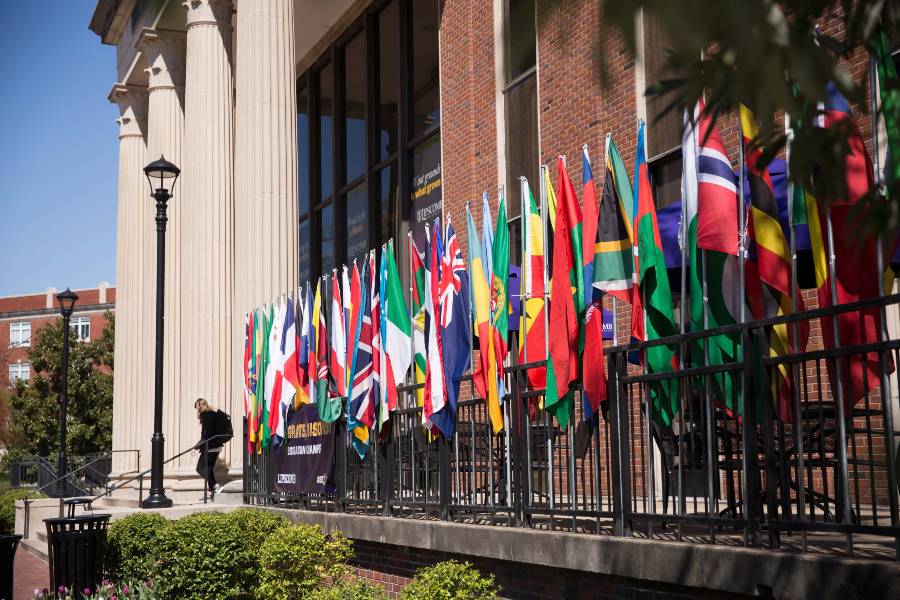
{"points": [[58, 148]]}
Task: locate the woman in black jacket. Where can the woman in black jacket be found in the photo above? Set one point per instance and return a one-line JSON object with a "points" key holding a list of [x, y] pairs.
{"points": [[209, 453]]}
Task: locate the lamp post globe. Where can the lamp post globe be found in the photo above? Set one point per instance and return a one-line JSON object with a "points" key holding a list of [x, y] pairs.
{"points": [[66, 300], [161, 175]]}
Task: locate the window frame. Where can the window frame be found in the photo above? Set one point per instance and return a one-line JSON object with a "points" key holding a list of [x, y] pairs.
{"points": [[14, 372], [21, 343], [400, 158], [76, 323]]}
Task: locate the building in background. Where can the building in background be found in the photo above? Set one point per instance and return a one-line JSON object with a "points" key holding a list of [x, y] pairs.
{"points": [[21, 317]]}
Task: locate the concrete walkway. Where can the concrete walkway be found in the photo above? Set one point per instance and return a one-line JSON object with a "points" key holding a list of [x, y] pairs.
{"points": [[29, 573]]}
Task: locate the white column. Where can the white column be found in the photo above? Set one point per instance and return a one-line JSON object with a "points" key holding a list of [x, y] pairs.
{"points": [[164, 52], [128, 413], [207, 216], [266, 172]]}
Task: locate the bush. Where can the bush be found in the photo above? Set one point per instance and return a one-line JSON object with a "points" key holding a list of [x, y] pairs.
{"points": [[133, 545], [298, 559], [353, 589], [214, 555], [8, 507], [450, 580]]}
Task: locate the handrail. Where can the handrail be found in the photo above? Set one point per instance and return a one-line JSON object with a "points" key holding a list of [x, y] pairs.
{"points": [[82, 467], [26, 500], [165, 462]]}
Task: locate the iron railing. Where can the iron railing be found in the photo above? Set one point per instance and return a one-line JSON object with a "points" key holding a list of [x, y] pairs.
{"points": [[763, 450]]}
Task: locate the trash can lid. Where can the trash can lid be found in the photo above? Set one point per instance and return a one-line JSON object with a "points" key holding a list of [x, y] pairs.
{"points": [[7, 537], [73, 501], [83, 519]]}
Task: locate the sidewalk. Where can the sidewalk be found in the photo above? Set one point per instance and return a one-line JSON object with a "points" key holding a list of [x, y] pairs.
{"points": [[29, 572]]}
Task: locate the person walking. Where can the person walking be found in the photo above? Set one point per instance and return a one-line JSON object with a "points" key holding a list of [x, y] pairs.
{"points": [[211, 430]]}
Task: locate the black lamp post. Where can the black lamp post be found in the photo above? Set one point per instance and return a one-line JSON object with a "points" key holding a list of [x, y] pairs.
{"points": [[66, 301], [162, 176]]}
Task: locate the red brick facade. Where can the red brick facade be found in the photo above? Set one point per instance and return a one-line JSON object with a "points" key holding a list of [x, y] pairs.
{"points": [[41, 309]]}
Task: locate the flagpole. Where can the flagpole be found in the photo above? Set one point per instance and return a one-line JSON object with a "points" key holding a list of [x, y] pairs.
{"points": [[412, 338], [742, 228], [525, 271], [545, 174], [883, 334]]}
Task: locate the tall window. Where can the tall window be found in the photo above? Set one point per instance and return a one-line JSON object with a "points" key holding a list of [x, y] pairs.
{"points": [[520, 97], [19, 371], [82, 328], [368, 127], [663, 128], [20, 334]]}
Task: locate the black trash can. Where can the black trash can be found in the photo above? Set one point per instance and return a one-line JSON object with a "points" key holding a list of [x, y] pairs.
{"points": [[75, 551], [8, 545]]}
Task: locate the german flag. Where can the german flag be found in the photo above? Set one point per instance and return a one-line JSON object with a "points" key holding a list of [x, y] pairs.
{"points": [[768, 269]]}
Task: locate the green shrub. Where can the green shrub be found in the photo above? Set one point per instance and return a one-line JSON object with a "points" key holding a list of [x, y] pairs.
{"points": [[450, 580], [8, 507], [298, 559], [214, 555], [349, 589], [133, 545]]}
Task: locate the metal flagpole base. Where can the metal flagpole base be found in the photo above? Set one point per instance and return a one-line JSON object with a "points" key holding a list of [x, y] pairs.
{"points": [[157, 499]]}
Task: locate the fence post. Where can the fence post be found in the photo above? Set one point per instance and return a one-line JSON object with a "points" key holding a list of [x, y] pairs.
{"points": [[752, 368], [444, 476], [387, 456], [518, 440], [621, 472], [340, 438]]}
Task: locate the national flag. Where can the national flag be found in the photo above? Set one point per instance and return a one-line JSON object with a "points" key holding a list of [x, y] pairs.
{"points": [[329, 409], [289, 379], [500, 294], [455, 328], [487, 239], [338, 361], [590, 226], [250, 355], [656, 297], [267, 372], [710, 203], [533, 329], [305, 305], [397, 330], [435, 387], [574, 221], [562, 360], [377, 412], [855, 257], [360, 401], [768, 268], [353, 310], [245, 365], [613, 256], [276, 367], [484, 377], [551, 198], [418, 267]]}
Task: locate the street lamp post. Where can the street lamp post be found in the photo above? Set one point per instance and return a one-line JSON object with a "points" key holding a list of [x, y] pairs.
{"points": [[66, 301], [160, 173]]}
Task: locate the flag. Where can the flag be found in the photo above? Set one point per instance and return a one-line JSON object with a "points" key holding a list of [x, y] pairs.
{"points": [[562, 360], [435, 388], [418, 267], [329, 409], [768, 268], [484, 377], [245, 365], [360, 402], [710, 204], [338, 363], [574, 221], [455, 328], [250, 357], [590, 227], [855, 257], [305, 307], [613, 257], [551, 198], [500, 294], [397, 330], [656, 297], [276, 366], [378, 412], [352, 309], [533, 328], [289, 380], [487, 240], [267, 372]]}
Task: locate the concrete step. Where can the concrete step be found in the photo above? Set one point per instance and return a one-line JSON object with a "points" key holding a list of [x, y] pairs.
{"points": [[37, 547]]}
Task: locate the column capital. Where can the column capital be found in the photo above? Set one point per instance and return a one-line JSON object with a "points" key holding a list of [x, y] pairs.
{"points": [[164, 50], [132, 101], [208, 12]]}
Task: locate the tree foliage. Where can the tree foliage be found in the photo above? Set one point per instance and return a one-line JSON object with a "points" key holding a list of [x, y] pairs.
{"points": [[33, 426], [771, 56]]}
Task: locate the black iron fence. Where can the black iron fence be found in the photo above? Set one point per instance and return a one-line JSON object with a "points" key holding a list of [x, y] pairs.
{"points": [[793, 451]]}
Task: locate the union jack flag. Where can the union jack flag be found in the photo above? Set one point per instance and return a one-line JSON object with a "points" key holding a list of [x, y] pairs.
{"points": [[451, 266]]}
